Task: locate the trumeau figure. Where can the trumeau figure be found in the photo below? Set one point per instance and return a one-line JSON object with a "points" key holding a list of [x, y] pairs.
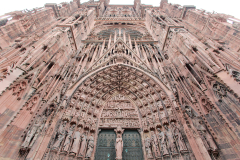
{"points": [[68, 139], [76, 141], [61, 133], [162, 141], [119, 147], [83, 145], [90, 147], [154, 143], [148, 147]]}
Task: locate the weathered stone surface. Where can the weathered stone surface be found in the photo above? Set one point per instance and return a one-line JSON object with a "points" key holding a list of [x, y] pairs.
{"points": [[70, 70]]}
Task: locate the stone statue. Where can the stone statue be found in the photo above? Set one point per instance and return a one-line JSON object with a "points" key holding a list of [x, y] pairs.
{"points": [[171, 144], [90, 147], [119, 147], [119, 113], [162, 141], [189, 111], [32, 134], [179, 138], [204, 134], [170, 112], [48, 111], [120, 48], [61, 133], [68, 140], [154, 143], [210, 141], [83, 145], [76, 141], [148, 147], [162, 114]]}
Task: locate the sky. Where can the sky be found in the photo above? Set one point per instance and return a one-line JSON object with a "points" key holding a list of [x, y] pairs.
{"points": [[230, 7]]}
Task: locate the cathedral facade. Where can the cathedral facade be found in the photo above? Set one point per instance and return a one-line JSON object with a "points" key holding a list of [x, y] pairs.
{"points": [[94, 81]]}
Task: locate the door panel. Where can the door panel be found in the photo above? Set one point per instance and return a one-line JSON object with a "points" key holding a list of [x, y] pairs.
{"points": [[132, 145], [106, 145]]}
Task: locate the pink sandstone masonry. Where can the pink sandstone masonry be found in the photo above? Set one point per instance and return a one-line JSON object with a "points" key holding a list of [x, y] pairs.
{"points": [[94, 81]]}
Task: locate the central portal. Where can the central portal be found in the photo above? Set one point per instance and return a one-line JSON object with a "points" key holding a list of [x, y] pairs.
{"points": [[132, 145]]}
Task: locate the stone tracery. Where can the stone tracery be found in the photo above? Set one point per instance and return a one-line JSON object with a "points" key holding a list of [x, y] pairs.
{"points": [[119, 81]]}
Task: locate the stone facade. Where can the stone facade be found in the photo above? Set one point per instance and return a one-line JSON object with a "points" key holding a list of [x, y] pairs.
{"points": [[70, 71]]}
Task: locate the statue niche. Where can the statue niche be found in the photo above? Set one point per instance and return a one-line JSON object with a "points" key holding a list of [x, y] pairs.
{"points": [[83, 145], [204, 134], [170, 140], [36, 128], [202, 130], [162, 142], [33, 133], [90, 147], [154, 144], [68, 139], [178, 137], [148, 148], [61, 133], [76, 141]]}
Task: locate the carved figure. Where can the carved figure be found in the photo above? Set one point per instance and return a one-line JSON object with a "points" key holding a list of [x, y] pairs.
{"points": [[162, 141], [61, 133], [189, 111], [170, 112], [179, 138], [49, 111], [90, 147], [148, 147], [119, 113], [154, 143], [120, 48], [68, 111], [68, 139], [210, 141], [83, 145], [119, 147], [162, 114], [32, 134], [171, 144], [205, 136], [76, 141]]}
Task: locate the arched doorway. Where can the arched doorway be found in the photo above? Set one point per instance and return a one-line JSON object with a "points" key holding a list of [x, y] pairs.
{"points": [[116, 95]]}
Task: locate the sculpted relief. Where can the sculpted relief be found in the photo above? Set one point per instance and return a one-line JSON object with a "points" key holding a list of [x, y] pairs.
{"points": [[119, 147], [163, 79], [165, 142], [33, 133], [119, 111], [61, 133], [76, 141], [203, 132]]}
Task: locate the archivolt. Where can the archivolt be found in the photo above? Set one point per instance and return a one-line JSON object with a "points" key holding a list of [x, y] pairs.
{"points": [[91, 93]]}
